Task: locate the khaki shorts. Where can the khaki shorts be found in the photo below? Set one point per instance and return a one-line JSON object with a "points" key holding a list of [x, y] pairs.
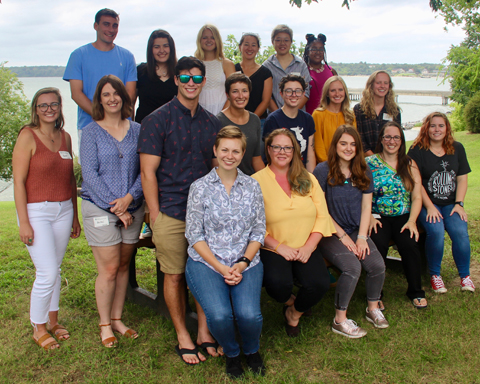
{"points": [[171, 244], [106, 233]]}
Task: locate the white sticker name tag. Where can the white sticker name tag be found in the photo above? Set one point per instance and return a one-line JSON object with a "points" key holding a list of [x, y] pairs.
{"points": [[296, 73], [65, 155], [101, 221], [387, 117]]}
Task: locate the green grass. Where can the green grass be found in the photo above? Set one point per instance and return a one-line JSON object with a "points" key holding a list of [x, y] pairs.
{"points": [[438, 345]]}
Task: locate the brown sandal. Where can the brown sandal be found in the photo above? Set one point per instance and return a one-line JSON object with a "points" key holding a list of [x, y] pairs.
{"points": [[109, 342], [59, 331], [129, 333], [46, 347]]}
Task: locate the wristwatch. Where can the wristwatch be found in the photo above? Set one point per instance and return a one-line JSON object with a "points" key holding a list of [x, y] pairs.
{"points": [[460, 203], [245, 260]]}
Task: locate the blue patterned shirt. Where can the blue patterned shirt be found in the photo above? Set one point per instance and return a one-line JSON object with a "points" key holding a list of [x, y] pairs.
{"points": [[110, 168], [226, 223]]}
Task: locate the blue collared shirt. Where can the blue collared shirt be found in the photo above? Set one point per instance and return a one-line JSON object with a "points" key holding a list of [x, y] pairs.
{"points": [[185, 145], [227, 223]]}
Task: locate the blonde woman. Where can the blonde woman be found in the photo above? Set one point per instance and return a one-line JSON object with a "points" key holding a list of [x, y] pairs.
{"points": [[376, 108], [333, 111], [210, 51]]}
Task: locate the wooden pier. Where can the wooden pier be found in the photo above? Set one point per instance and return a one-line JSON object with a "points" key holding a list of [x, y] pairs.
{"points": [[356, 94]]}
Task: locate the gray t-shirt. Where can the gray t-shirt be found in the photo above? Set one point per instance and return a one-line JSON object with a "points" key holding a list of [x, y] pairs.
{"points": [[254, 139], [344, 201]]}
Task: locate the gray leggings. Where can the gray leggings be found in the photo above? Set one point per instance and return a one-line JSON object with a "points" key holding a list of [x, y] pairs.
{"points": [[339, 255]]}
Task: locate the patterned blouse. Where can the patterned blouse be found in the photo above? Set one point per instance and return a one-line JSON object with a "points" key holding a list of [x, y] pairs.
{"points": [[390, 198], [227, 223]]}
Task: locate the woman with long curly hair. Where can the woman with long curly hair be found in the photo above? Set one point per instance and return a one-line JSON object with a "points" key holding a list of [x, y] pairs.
{"points": [[397, 201], [376, 108], [444, 168], [315, 56], [348, 186], [333, 111], [293, 199]]}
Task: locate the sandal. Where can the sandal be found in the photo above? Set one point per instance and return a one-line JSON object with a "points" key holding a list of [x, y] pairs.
{"points": [[129, 333], [109, 342], [59, 331], [185, 351], [417, 303], [208, 344], [46, 347]]}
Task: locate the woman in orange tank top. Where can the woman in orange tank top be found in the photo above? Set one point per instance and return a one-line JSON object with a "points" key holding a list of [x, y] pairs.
{"points": [[45, 187]]}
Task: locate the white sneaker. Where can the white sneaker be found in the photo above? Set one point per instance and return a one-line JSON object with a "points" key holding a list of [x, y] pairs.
{"points": [[467, 284]]}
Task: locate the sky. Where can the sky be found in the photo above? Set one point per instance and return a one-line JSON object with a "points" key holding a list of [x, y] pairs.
{"points": [[45, 32]]}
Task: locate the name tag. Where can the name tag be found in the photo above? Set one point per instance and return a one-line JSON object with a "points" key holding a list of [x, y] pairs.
{"points": [[387, 117], [65, 155], [101, 221], [296, 73]]}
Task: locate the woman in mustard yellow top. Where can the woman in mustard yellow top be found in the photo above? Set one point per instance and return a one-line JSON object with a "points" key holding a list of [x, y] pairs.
{"points": [[297, 219], [333, 111]]}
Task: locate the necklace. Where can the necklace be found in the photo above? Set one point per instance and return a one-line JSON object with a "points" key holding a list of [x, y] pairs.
{"points": [[115, 141], [318, 70], [53, 141], [438, 153], [163, 73]]}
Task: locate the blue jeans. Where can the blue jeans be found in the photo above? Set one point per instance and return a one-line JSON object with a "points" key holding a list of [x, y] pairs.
{"points": [[217, 300], [457, 230]]}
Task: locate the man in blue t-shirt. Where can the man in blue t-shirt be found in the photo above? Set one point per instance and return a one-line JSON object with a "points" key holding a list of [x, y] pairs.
{"points": [[289, 116], [89, 63]]}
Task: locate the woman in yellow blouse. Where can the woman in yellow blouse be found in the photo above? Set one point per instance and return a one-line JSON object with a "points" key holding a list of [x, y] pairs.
{"points": [[333, 111], [293, 200]]}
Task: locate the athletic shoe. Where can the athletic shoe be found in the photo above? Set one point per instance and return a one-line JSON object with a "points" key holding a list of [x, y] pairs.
{"points": [[255, 363], [348, 328], [234, 367], [467, 284], [146, 232], [377, 318], [437, 284]]}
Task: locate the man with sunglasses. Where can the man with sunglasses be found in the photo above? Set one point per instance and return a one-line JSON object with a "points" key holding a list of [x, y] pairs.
{"points": [[89, 63], [290, 116], [176, 148]]}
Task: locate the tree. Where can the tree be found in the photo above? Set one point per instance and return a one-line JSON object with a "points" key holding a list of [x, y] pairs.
{"points": [[14, 113], [434, 4]]}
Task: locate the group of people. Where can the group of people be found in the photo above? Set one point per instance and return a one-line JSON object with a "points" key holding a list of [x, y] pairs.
{"points": [[327, 183]]}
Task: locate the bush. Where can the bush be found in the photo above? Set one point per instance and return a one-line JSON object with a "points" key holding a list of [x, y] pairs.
{"points": [[456, 117], [77, 171], [471, 114]]}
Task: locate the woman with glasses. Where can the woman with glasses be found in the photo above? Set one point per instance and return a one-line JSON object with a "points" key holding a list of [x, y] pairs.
{"points": [[297, 219], [218, 68], [444, 169], [348, 186], [112, 205], [46, 202], [377, 107], [333, 111], [397, 201], [315, 56]]}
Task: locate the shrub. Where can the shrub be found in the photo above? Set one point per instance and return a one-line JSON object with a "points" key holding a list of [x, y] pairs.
{"points": [[471, 114], [456, 117], [77, 171]]}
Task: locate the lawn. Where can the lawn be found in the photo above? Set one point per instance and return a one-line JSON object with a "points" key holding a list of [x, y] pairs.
{"points": [[437, 345]]}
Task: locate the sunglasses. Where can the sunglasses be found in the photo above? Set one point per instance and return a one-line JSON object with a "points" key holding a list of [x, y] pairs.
{"points": [[197, 79]]}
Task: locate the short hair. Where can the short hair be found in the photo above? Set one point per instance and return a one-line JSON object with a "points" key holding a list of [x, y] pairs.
{"points": [[247, 34], [291, 77], [199, 54], [231, 132], [237, 77], [189, 62], [151, 62], [98, 112], [34, 120], [282, 28], [106, 12]]}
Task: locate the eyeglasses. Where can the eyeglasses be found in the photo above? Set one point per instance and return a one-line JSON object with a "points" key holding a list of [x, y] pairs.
{"points": [[44, 107], [289, 92], [284, 41], [278, 148], [316, 50], [395, 138], [184, 79]]}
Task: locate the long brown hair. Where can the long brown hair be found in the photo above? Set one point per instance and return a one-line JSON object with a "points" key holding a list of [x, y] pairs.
{"points": [[404, 162], [423, 139], [358, 166], [34, 120], [367, 102], [348, 114], [298, 177]]}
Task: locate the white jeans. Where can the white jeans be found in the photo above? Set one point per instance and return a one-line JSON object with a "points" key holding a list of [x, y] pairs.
{"points": [[52, 225]]}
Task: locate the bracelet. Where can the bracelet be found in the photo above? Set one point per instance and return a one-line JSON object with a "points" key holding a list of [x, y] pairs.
{"points": [[245, 260], [362, 237], [275, 250], [341, 237]]}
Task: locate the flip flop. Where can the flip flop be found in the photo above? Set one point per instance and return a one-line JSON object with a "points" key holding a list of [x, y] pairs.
{"points": [[208, 344], [185, 351], [416, 303]]}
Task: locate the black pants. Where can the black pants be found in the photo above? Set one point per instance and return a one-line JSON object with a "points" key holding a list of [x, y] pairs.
{"points": [[279, 274], [407, 247]]}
